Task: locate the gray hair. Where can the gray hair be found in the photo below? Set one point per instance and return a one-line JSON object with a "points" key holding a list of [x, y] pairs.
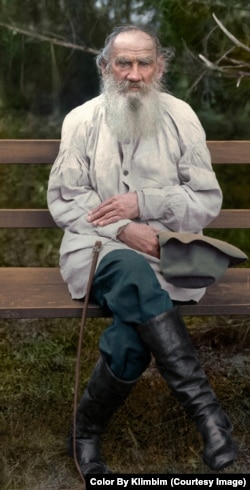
{"points": [[103, 58]]}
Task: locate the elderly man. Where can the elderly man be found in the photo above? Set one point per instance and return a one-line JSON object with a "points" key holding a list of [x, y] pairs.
{"points": [[133, 162]]}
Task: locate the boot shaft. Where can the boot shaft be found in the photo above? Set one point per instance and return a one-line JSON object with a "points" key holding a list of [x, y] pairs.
{"points": [[179, 364], [102, 397]]}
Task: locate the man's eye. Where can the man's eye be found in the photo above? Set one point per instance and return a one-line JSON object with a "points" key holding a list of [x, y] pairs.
{"points": [[145, 63], [123, 64]]}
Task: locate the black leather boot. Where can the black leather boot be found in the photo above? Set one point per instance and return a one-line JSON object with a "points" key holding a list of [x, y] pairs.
{"points": [[176, 358], [102, 397]]}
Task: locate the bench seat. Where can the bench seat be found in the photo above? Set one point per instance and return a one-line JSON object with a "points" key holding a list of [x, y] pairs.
{"points": [[33, 292]]}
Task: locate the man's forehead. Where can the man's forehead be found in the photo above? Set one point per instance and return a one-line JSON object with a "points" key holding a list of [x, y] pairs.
{"points": [[133, 42]]}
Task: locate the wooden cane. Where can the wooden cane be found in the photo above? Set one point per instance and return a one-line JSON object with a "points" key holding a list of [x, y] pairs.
{"points": [[96, 250]]}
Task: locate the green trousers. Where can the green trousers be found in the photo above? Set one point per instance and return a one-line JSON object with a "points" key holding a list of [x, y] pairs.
{"points": [[126, 284]]}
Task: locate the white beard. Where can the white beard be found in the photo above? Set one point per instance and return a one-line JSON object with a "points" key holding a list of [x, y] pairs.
{"points": [[132, 115]]}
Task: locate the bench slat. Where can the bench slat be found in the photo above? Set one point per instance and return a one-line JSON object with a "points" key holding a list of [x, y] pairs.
{"points": [[41, 293], [45, 151], [232, 218], [28, 151], [26, 218], [41, 218], [229, 151]]}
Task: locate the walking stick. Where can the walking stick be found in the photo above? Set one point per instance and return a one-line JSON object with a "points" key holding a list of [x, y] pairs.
{"points": [[96, 250]]}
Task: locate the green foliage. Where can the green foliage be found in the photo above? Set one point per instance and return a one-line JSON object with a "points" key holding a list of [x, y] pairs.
{"points": [[39, 78], [29, 182], [188, 25]]}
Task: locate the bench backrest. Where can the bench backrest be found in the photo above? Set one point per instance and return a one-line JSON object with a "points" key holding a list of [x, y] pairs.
{"points": [[31, 152]]}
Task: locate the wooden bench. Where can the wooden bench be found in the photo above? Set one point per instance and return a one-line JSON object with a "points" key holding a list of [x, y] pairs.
{"points": [[39, 292]]}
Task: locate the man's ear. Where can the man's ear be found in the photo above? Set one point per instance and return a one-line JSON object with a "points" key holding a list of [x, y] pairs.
{"points": [[104, 68], [160, 67]]}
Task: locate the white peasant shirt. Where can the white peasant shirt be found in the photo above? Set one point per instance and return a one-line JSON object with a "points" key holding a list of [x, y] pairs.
{"points": [[171, 173]]}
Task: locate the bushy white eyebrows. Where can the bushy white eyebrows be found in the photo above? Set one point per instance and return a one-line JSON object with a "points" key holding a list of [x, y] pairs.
{"points": [[141, 60]]}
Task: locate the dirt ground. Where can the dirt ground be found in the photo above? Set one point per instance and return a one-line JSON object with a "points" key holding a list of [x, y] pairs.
{"points": [[149, 434]]}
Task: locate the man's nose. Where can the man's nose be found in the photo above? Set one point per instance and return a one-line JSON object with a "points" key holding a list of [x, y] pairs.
{"points": [[134, 74]]}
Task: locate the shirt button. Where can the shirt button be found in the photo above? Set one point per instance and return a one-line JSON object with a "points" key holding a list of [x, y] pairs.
{"points": [[126, 172]]}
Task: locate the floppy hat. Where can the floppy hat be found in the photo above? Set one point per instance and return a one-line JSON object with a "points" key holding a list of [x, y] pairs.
{"points": [[193, 260]]}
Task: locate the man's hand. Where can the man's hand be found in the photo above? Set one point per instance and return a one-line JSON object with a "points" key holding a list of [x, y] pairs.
{"points": [[141, 237], [115, 208]]}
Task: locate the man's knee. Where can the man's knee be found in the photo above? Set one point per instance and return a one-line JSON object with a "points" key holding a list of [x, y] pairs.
{"points": [[128, 286]]}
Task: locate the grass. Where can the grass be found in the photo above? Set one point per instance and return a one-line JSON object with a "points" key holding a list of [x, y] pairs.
{"points": [[149, 434]]}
